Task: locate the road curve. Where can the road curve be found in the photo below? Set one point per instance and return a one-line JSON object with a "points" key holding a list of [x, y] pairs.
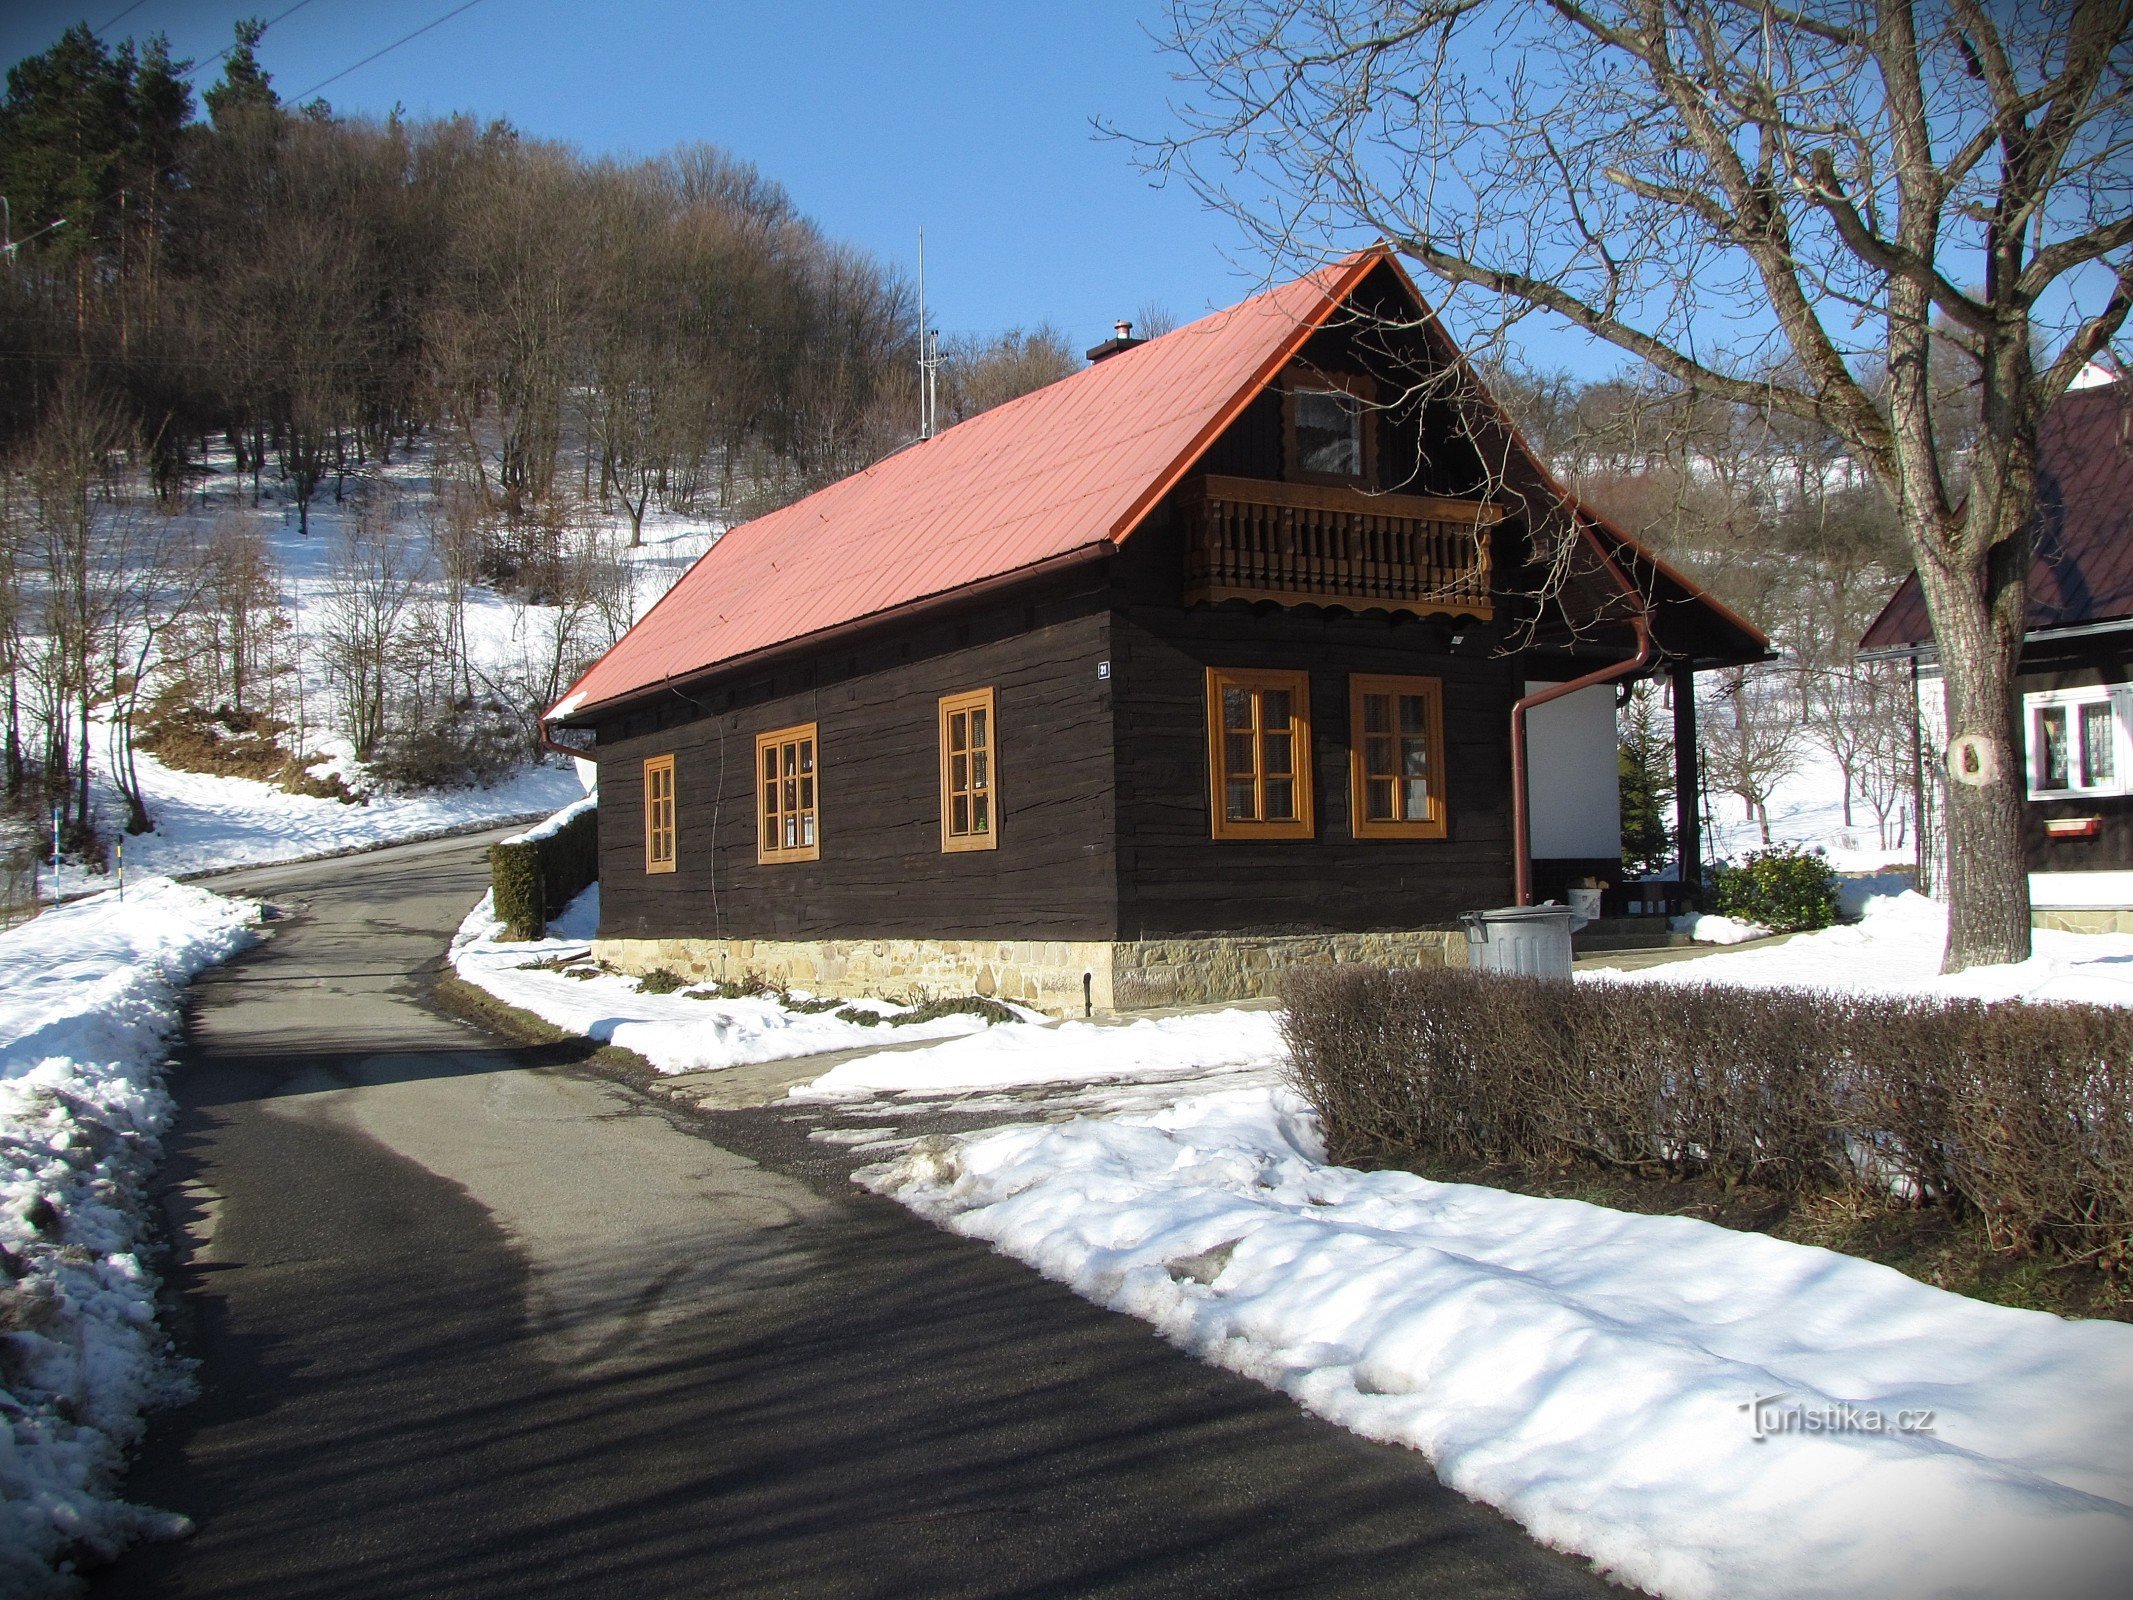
{"points": [[473, 1320]]}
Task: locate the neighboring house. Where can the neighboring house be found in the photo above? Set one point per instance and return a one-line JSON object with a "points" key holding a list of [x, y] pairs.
{"points": [[1132, 690], [2075, 675]]}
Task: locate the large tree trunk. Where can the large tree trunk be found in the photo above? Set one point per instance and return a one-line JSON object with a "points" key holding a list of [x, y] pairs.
{"points": [[1988, 877]]}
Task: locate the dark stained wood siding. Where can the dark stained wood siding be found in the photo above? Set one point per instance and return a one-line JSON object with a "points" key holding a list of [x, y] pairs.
{"points": [[1175, 878], [882, 872], [1104, 782], [2076, 664]]}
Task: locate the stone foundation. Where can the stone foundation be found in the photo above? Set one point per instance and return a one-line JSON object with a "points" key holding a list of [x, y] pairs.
{"points": [[1055, 976]]}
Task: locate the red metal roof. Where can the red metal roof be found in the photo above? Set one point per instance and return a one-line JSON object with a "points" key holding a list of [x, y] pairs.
{"points": [[1071, 466], [2082, 567]]}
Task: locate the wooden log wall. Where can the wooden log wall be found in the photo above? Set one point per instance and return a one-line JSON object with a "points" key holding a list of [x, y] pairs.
{"points": [[881, 871], [1175, 878]]}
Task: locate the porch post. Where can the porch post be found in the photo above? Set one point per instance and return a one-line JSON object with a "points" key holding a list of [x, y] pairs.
{"points": [[1688, 783]]}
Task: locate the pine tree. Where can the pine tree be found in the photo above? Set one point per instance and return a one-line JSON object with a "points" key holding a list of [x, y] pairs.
{"points": [[245, 84], [1645, 761]]}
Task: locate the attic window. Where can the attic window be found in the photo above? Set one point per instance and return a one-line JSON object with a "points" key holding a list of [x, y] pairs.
{"points": [[1329, 425]]}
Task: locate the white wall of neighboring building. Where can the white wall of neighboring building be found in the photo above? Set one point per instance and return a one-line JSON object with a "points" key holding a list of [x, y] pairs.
{"points": [[1573, 780], [2081, 891]]}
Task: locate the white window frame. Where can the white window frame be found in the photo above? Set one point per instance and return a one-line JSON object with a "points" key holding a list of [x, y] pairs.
{"points": [[2119, 697]]}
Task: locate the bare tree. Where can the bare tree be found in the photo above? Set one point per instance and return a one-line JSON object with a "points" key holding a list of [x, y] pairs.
{"points": [[378, 575], [1708, 184], [1751, 737], [978, 374]]}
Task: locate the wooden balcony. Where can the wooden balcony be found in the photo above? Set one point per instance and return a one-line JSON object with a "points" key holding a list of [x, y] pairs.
{"points": [[1300, 544]]}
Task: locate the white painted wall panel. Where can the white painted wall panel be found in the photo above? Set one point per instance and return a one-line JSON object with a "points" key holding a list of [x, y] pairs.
{"points": [[1571, 774]]}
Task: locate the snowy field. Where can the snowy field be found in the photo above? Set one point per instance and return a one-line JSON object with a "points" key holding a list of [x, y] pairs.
{"points": [[1807, 809], [686, 1031], [1699, 1411], [1895, 949], [89, 997], [205, 822]]}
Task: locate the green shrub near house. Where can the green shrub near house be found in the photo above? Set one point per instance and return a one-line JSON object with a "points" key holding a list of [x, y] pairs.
{"points": [[1787, 890], [537, 874]]}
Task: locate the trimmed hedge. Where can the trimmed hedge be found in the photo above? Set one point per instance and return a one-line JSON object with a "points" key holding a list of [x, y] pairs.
{"points": [[534, 879], [2019, 1113]]}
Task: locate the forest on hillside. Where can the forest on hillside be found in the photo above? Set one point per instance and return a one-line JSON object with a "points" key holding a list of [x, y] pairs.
{"points": [[216, 303], [201, 290]]}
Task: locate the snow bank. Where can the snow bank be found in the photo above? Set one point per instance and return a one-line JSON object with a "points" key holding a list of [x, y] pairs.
{"points": [[204, 822], [1709, 928], [1895, 949], [1022, 1055], [1701, 1412], [88, 1005], [674, 1032], [549, 827]]}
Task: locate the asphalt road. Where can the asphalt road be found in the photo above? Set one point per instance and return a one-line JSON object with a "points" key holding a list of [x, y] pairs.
{"points": [[474, 1320]]}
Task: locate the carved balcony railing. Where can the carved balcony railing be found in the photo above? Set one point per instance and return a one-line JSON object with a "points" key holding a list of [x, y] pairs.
{"points": [[1300, 544]]}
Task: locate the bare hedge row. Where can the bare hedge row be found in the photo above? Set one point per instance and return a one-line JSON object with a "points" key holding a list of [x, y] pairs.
{"points": [[2022, 1113]]}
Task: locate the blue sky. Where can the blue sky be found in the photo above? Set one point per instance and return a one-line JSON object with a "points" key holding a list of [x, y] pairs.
{"points": [[973, 120]]}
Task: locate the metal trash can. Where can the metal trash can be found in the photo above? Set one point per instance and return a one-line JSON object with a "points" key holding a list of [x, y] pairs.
{"points": [[1531, 941]]}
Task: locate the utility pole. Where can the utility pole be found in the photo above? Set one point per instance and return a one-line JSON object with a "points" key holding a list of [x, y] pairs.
{"points": [[9, 244]]}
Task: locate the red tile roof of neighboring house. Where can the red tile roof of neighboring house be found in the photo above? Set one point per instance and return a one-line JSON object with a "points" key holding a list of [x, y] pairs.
{"points": [[1070, 466], [2082, 566]]}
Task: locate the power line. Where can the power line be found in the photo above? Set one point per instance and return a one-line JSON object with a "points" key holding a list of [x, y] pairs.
{"points": [[367, 60], [122, 16], [226, 49]]}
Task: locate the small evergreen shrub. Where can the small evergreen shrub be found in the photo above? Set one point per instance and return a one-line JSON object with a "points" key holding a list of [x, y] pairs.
{"points": [[1787, 890], [661, 980], [534, 879]]}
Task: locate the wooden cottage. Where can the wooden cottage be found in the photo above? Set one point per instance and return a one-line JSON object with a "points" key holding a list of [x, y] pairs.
{"points": [[1131, 691], [2074, 676]]}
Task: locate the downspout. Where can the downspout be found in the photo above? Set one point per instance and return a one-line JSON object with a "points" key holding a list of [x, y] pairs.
{"points": [[1521, 810]]}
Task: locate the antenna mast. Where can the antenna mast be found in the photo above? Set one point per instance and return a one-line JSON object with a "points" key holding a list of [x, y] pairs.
{"points": [[929, 355]]}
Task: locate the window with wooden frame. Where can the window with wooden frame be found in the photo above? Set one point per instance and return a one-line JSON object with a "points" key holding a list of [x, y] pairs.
{"points": [[1396, 758], [786, 820], [1259, 753], [970, 772], [659, 814], [1329, 428]]}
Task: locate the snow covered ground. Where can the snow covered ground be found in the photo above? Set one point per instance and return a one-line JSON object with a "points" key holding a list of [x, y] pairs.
{"points": [[1700, 1411], [688, 1030], [1896, 949], [1807, 809], [88, 1006], [204, 822]]}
